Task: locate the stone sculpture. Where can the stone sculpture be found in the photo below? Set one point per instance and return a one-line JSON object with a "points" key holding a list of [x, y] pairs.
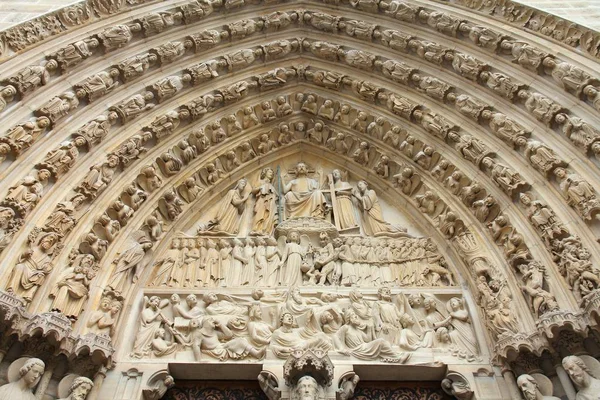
{"points": [[29, 375]]}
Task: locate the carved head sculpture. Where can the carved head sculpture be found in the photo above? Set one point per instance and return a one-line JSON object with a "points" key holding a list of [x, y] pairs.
{"points": [[115, 307], [210, 298], [455, 304], [355, 296], [384, 293], [80, 388], [362, 186], [528, 386], [324, 238], [267, 173], [154, 302], [337, 175], [307, 388], [442, 335], [255, 312], [294, 237], [579, 373], [415, 300], [286, 320], [429, 304], [351, 318], [301, 168], [31, 372], [48, 240], [295, 295]]}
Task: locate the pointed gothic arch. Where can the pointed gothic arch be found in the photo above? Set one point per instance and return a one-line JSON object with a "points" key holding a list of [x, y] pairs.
{"points": [[110, 110]]}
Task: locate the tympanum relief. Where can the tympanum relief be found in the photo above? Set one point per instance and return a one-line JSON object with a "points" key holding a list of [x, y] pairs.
{"points": [[379, 326], [299, 226], [276, 264]]}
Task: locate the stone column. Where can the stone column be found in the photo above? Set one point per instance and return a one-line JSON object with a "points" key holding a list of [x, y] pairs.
{"points": [[511, 383], [5, 344], [98, 380], [43, 385], [566, 382]]}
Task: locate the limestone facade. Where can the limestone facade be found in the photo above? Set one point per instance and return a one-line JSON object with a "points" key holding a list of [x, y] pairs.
{"points": [[308, 195]]}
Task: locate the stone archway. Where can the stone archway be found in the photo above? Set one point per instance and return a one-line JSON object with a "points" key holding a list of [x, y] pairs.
{"points": [[134, 163]]}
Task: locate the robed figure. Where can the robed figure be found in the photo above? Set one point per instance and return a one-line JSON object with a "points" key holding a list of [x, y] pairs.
{"points": [[344, 209], [231, 210], [265, 207], [371, 215], [303, 198]]}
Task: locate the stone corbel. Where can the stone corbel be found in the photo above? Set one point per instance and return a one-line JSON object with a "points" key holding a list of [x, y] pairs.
{"points": [[269, 384], [157, 385], [347, 386], [457, 385]]}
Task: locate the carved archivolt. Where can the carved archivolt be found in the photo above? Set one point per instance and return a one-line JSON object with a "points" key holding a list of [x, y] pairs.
{"points": [[118, 138]]}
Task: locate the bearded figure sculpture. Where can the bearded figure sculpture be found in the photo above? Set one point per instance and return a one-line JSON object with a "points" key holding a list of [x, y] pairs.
{"points": [[307, 388]]}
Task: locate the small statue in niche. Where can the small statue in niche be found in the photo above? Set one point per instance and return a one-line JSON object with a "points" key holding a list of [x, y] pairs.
{"points": [[542, 108], [265, 145], [283, 107], [361, 154], [542, 157], [59, 106], [98, 85], [504, 177], [171, 205], [33, 266], [72, 288], [28, 79], [134, 106], [20, 137], [543, 218], [118, 36], [582, 134], [579, 193]]}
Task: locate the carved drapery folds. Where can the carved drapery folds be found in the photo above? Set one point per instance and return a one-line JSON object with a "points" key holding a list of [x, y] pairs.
{"points": [[484, 150]]}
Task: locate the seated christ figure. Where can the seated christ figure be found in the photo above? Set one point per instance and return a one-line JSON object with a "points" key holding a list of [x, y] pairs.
{"points": [[303, 197]]}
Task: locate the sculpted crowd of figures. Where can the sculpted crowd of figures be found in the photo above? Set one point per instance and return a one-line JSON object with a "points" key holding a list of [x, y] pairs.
{"points": [[352, 208], [384, 327], [330, 198], [303, 192], [267, 262]]}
